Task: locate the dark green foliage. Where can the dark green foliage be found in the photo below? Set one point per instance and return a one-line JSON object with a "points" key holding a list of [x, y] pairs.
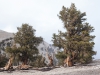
{"points": [[61, 56], [3, 60], [77, 37]]}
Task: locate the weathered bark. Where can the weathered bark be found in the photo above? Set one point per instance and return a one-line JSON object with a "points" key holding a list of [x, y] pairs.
{"points": [[74, 54], [51, 60], [68, 62], [9, 64], [24, 65], [24, 62]]}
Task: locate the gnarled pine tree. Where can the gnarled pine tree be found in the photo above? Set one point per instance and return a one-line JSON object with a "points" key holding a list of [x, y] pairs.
{"points": [[25, 44], [76, 42]]}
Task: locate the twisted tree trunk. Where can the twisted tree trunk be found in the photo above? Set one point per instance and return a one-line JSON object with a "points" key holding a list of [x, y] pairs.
{"points": [[24, 65], [51, 60], [68, 62], [9, 64]]}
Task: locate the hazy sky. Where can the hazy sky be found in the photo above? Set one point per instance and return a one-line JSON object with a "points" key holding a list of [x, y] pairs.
{"points": [[42, 15]]}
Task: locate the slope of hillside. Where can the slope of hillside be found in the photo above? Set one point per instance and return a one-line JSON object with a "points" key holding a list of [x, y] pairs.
{"points": [[46, 49], [4, 35]]}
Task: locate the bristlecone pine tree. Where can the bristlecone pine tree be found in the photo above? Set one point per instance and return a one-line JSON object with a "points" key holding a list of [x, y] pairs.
{"points": [[76, 42], [25, 44]]}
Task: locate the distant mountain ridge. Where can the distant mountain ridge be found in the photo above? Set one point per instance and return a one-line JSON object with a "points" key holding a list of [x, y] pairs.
{"points": [[4, 35]]}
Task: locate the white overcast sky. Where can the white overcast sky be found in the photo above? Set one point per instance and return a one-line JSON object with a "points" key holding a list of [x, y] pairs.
{"points": [[42, 15]]}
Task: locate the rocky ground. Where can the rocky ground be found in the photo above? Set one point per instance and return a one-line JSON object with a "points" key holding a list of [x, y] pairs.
{"points": [[90, 69]]}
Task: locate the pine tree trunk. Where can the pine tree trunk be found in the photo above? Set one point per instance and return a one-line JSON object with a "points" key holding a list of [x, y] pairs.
{"points": [[24, 65], [68, 62], [9, 64], [51, 60]]}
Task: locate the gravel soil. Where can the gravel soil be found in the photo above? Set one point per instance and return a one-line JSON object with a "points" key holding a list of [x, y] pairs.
{"points": [[90, 69]]}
